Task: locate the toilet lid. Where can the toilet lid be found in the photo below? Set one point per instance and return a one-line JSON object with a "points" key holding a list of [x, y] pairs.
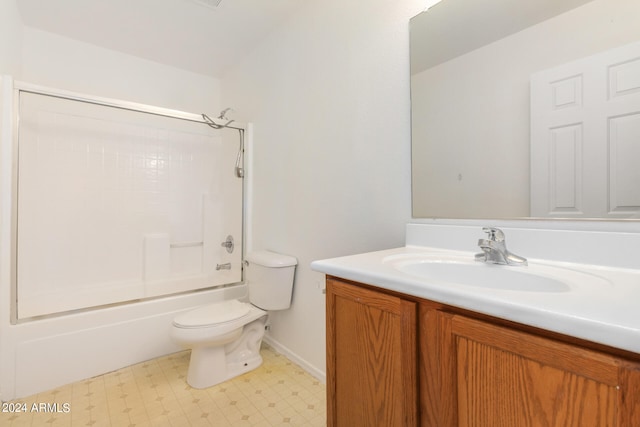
{"points": [[210, 314]]}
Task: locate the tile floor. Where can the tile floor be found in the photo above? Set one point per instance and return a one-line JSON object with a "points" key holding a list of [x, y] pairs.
{"points": [[155, 393]]}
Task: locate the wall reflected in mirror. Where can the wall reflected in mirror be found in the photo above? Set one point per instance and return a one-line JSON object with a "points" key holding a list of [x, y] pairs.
{"points": [[526, 109]]}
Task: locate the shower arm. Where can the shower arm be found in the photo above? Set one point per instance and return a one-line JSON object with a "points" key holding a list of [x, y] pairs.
{"points": [[211, 123]]}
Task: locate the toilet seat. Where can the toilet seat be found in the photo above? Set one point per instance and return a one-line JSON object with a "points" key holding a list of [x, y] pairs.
{"points": [[213, 314]]}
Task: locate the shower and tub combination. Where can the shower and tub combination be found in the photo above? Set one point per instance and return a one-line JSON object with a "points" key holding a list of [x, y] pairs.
{"points": [[123, 217]]}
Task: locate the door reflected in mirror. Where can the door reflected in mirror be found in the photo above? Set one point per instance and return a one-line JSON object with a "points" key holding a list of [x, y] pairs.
{"points": [[526, 109]]}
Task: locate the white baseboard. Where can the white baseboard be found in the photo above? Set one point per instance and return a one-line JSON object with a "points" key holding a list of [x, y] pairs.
{"points": [[312, 370]]}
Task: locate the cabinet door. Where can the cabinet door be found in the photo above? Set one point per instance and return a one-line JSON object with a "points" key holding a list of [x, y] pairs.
{"points": [[509, 378], [371, 358]]}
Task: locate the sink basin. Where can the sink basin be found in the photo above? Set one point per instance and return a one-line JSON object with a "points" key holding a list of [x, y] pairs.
{"points": [[460, 270]]}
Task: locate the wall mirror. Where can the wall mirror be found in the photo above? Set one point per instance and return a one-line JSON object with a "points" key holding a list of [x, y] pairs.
{"points": [[526, 109]]}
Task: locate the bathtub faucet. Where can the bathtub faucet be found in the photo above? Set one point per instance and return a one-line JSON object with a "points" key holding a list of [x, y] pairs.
{"points": [[494, 249], [228, 244]]}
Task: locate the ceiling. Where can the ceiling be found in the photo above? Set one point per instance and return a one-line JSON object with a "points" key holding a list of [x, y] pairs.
{"points": [[180, 33]]}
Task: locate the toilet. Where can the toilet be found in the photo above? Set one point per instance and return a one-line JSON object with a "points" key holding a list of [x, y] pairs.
{"points": [[225, 337]]}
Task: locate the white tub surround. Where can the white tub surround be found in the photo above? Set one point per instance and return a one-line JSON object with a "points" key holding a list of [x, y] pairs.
{"points": [[603, 310], [117, 201]]}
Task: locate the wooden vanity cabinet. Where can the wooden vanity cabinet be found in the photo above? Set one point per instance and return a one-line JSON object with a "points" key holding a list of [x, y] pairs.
{"points": [[470, 371]]}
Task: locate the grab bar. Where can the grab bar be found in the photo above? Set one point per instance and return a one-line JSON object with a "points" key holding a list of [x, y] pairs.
{"points": [[186, 244]]}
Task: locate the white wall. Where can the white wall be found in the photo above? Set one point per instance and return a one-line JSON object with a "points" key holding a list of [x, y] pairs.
{"points": [[329, 97], [10, 38], [60, 62]]}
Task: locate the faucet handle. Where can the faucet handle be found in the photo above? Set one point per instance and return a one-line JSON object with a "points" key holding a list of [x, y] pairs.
{"points": [[495, 234]]}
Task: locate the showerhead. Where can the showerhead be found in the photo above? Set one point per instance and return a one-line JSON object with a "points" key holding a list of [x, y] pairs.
{"points": [[224, 112]]}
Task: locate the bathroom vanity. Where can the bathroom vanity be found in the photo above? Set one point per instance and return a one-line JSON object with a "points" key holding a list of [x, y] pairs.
{"points": [[397, 360], [408, 347]]}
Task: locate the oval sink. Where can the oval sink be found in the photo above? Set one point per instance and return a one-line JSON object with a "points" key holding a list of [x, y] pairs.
{"points": [[468, 272]]}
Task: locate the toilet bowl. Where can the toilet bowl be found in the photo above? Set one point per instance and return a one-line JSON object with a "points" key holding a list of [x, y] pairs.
{"points": [[225, 337]]}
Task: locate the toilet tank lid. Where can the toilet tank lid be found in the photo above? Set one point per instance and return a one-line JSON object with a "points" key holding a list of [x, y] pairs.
{"points": [[271, 259]]}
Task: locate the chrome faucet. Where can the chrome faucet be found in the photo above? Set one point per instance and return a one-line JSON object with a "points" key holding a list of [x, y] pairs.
{"points": [[494, 249]]}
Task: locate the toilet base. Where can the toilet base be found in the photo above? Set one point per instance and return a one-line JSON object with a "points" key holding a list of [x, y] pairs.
{"points": [[213, 365]]}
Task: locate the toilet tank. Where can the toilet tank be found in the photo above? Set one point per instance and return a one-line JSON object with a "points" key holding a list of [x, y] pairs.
{"points": [[270, 279]]}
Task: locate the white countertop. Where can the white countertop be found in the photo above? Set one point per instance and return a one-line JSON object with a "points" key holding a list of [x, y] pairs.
{"points": [[607, 313]]}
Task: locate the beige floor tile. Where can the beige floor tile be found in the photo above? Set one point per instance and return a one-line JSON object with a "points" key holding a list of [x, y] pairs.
{"points": [[155, 394]]}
